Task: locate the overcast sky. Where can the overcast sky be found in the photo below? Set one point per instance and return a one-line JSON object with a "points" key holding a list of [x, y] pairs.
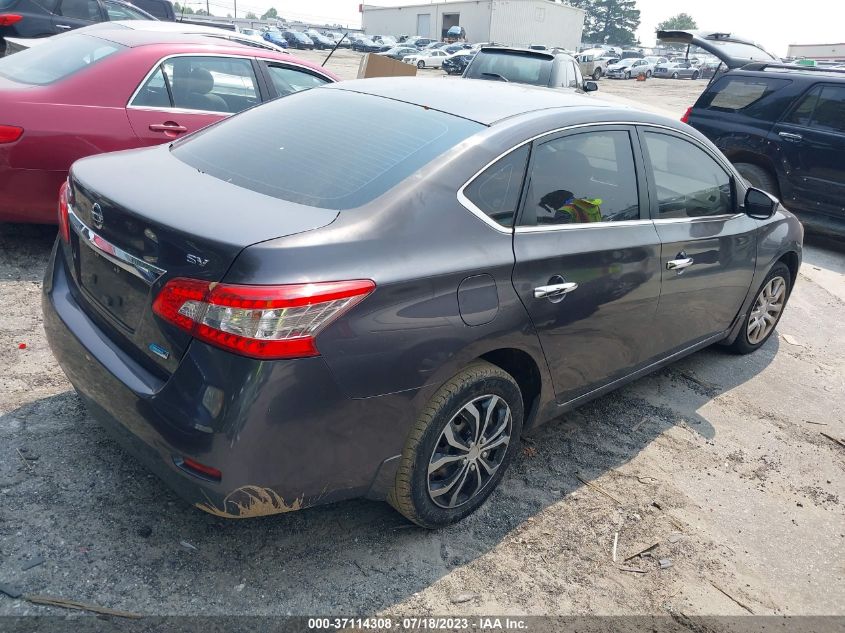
{"points": [[772, 22]]}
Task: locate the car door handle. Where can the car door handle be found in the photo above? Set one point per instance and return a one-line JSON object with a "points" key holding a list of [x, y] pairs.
{"points": [[64, 26], [789, 136], [679, 264], [168, 127], [555, 290]]}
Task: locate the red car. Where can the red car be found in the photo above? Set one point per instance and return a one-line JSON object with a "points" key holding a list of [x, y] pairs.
{"points": [[102, 90]]}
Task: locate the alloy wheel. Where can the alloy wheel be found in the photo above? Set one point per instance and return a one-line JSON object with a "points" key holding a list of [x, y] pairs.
{"points": [[767, 309], [469, 451]]}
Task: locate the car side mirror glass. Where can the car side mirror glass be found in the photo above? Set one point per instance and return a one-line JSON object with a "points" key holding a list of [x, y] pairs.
{"points": [[590, 86], [759, 204]]}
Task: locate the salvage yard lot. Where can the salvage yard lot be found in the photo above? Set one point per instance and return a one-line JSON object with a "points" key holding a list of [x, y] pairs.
{"points": [[719, 459]]}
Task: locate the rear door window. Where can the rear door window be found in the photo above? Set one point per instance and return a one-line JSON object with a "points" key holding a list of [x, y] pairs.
{"points": [[287, 80], [802, 114], [583, 178], [80, 10], [205, 84], [290, 149], [43, 65], [118, 11], [732, 94]]}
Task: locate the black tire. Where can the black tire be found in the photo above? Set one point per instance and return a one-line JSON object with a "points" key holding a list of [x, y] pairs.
{"points": [[597, 74], [648, 74], [696, 75], [674, 75], [742, 344], [410, 494], [627, 74], [421, 64], [758, 177]]}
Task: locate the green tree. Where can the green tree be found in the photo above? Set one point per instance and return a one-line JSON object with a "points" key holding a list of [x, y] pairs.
{"points": [[251, 16], [182, 9], [680, 22], [610, 21], [201, 12], [271, 14]]}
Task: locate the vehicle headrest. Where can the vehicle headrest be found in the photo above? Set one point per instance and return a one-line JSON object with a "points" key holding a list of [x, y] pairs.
{"points": [[200, 81]]}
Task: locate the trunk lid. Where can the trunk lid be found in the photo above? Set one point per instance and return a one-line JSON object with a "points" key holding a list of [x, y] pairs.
{"points": [[143, 217], [732, 50]]}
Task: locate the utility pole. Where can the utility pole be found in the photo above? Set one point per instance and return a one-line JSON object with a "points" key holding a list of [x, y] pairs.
{"points": [[236, 9], [207, 7]]}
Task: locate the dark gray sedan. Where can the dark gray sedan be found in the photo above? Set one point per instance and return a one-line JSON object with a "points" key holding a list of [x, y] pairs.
{"points": [[270, 326]]}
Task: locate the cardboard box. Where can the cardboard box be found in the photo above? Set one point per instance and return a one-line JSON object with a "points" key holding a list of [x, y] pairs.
{"points": [[373, 65]]}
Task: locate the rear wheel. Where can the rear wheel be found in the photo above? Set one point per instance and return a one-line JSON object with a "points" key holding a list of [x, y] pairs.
{"points": [[758, 177], [460, 447], [765, 312], [597, 74], [696, 75], [648, 74], [674, 75]]}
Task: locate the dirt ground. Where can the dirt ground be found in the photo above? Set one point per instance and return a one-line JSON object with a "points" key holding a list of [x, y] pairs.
{"points": [[718, 459]]}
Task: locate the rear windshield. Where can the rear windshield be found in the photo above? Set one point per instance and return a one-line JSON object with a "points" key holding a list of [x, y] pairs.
{"points": [[325, 148], [739, 50], [55, 60], [523, 68], [737, 93]]}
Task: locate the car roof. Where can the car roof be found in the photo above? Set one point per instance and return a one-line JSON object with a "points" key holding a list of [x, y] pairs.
{"points": [[132, 37], [792, 70], [478, 100]]}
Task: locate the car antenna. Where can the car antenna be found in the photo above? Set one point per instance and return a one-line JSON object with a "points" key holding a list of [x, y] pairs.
{"points": [[334, 49]]}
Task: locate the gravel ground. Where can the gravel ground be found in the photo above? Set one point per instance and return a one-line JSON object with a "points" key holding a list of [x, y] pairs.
{"points": [[719, 459]]}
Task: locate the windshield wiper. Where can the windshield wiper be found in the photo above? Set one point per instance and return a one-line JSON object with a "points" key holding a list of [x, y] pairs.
{"points": [[495, 76]]}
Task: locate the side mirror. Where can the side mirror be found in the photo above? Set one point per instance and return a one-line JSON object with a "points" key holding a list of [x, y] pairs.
{"points": [[759, 204], [590, 86]]}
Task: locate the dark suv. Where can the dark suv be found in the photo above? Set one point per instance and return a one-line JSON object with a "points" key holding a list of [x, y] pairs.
{"points": [[783, 128], [41, 18]]}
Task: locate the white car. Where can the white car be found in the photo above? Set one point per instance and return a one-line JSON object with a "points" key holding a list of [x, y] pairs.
{"points": [[427, 58], [629, 68]]}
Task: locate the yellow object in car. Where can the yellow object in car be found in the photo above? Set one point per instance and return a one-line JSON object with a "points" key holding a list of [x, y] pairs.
{"points": [[583, 209]]}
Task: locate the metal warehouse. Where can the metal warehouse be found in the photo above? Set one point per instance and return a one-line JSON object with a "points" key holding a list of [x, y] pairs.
{"points": [[511, 22]]}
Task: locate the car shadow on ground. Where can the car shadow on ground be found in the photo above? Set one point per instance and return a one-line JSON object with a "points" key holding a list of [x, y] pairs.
{"points": [[114, 534]]}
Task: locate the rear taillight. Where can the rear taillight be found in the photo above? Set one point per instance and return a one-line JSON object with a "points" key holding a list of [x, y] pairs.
{"points": [[10, 133], [64, 222], [685, 118], [258, 321], [7, 19]]}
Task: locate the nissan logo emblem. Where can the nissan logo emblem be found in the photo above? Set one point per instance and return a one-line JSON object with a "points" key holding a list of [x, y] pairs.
{"points": [[97, 215]]}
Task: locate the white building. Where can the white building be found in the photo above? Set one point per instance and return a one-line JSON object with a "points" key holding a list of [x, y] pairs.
{"points": [[510, 22], [817, 51]]}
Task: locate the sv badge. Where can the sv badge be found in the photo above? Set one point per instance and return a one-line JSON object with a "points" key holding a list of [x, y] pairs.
{"points": [[196, 260]]}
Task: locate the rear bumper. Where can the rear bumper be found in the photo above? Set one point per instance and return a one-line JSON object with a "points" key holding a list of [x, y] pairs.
{"points": [[282, 433], [29, 195]]}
